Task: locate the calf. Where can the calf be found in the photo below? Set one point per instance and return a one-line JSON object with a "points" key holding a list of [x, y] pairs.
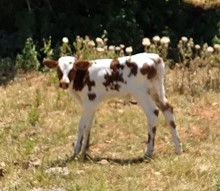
{"points": [[140, 75]]}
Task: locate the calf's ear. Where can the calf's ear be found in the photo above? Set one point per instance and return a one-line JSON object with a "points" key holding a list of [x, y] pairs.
{"points": [[81, 65], [50, 63]]}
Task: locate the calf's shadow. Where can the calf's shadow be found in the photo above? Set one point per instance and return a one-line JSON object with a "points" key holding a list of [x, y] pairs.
{"points": [[100, 160]]}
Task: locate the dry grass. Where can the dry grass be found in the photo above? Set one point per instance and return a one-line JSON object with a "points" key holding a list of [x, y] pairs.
{"points": [[38, 125]]}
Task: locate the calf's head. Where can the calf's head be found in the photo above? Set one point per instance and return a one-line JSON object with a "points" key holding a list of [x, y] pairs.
{"points": [[67, 67]]}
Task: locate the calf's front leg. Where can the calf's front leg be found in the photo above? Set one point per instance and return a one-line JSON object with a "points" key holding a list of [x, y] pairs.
{"points": [[84, 128]]}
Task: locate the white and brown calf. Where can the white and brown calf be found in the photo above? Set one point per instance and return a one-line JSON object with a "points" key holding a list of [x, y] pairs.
{"points": [[140, 75]]}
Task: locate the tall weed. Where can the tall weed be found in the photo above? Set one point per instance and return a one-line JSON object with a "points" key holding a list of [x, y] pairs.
{"points": [[27, 60]]}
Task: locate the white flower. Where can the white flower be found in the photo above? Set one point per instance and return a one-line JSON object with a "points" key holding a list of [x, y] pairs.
{"points": [[184, 39], [99, 49], [156, 39], [111, 47], [180, 44], [65, 40], [146, 42], [99, 40], [191, 43], [165, 40], [210, 49], [91, 43], [87, 39], [117, 48], [217, 46], [205, 46], [129, 50], [122, 46], [197, 47]]}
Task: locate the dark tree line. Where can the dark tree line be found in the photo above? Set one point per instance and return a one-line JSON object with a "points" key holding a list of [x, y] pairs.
{"points": [[126, 21]]}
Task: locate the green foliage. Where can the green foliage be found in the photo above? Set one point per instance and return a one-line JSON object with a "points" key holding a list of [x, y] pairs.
{"points": [[29, 154], [6, 64], [216, 40], [28, 146], [27, 60], [38, 98], [33, 116], [47, 49], [125, 21], [197, 69], [85, 48], [26, 24], [158, 45], [123, 25], [65, 49], [217, 185], [34, 113]]}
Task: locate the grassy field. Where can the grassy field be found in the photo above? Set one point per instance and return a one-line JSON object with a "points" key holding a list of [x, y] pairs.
{"points": [[38, 126]]}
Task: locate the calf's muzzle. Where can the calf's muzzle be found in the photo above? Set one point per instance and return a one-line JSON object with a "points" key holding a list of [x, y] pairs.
{"points": [[64, 85]]}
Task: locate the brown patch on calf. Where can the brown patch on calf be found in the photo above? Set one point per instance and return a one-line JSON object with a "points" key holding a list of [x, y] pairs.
{"points": [[89, 83], [172, 124], [163, 106], [59, 73], [166, 106], [150, 71], [158, 61], [91, 96], [154, 132], [79, 79], [112, 80], [156, 112], [149, 136], [87, 144], [81, 141], [80, 76], [133, 67], [115, 65]]}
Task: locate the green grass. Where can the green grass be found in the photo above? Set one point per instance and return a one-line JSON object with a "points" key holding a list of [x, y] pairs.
{"points": [[38, 125]]}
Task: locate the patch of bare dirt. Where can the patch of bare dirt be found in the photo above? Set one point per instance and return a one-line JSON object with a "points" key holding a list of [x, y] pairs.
{"points": [[206, 113]]}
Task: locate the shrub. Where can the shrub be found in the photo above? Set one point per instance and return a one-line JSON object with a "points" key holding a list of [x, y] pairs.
{"points": [[6, 65], [47, 49], [27, 60], [85, 48]]}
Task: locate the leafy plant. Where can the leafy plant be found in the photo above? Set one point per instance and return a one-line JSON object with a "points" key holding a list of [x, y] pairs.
{"points": [[217, 185], [6, 64], [27, 60], [86, 48], [65, 49], [158, 45], [33, 116], [47, 49]]}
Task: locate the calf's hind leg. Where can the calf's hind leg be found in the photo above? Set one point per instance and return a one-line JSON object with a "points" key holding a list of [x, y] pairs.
{"points": [[168, 113]]}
